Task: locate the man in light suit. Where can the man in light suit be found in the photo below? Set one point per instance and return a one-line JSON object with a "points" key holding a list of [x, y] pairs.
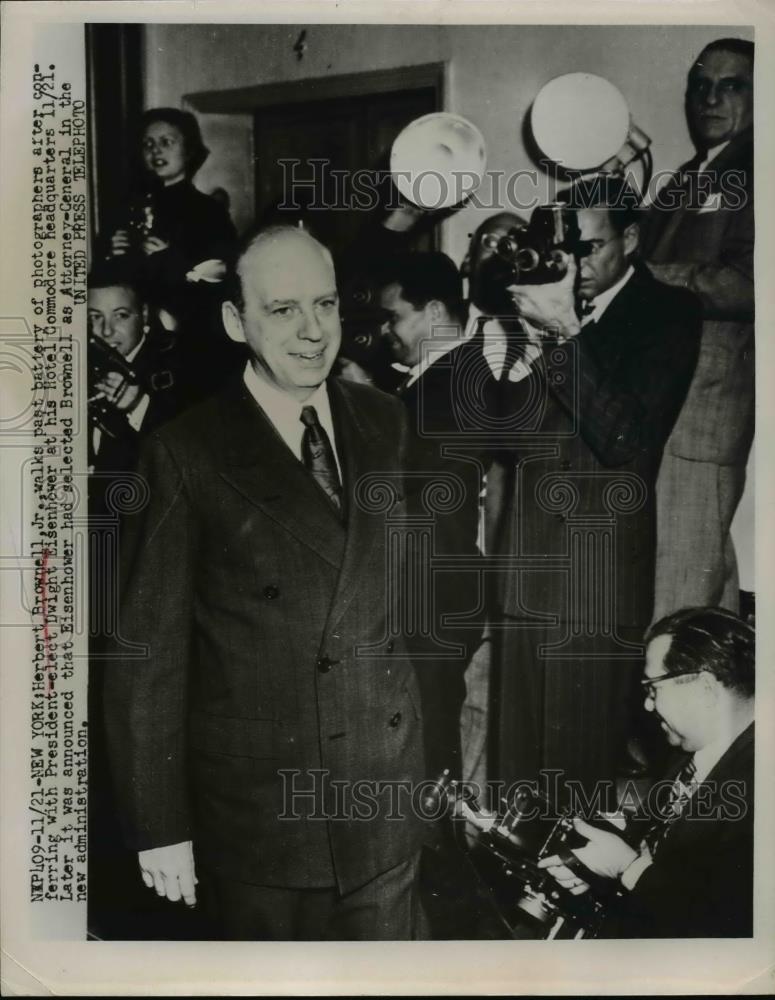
{"points": [[270, 726], [691, 875], [700, 236]]}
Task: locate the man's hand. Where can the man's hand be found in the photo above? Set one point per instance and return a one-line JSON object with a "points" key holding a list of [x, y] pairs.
{"points": [[550, 307], [120, 243], [153, 244], [563, 875], [122, 394], [604, 854], [170, 870]]}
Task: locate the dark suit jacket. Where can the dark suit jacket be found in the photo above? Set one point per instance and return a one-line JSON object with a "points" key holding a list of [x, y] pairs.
{"points": [[449, 448], [447, 458], [251, 603], [701, 881], [593, 421]]}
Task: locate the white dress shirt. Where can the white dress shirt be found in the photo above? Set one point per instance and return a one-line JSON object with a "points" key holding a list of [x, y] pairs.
{"points": [[284, 411], [496, 343]]}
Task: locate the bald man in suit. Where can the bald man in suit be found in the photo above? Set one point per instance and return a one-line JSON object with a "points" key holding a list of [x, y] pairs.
{"points": [[272, 722]]}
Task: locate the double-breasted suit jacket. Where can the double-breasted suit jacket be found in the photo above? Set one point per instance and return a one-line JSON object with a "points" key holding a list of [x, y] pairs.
{"points": [[594, 418], [709, 249], [265, 667]]}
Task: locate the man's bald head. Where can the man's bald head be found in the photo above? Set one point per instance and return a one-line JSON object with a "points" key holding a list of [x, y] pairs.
{"points": [[278, 241], [285, 307]]}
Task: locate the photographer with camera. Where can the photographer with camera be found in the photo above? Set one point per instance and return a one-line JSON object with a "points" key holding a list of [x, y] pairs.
{"points": [[692, 873], [136, 376], [614, 353]]}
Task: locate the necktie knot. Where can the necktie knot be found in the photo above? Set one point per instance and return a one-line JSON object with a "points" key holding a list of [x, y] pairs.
{"points": [[309, 416]]}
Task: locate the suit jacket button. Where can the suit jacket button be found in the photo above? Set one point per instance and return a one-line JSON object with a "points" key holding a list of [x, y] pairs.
{"points": [[325, 664], [271, 592], [394, 720], [565, 465]]}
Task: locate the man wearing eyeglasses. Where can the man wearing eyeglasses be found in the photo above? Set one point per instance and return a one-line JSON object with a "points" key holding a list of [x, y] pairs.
{"points": [[688, 872], [700, 235], [581, 511]]}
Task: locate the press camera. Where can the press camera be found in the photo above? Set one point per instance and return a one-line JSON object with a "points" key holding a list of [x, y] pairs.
{"points": [[536, 253], [506, 850]]}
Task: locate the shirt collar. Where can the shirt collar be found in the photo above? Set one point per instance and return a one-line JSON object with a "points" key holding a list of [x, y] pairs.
{"points": [[281, 408], [712, 153], [432, 351], [135, 350], [602, 301]]}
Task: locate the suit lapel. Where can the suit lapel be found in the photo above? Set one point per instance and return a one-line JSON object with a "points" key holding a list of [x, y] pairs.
{"points": [[735, 155], [259, 464], [610, 332], [358, 446]]}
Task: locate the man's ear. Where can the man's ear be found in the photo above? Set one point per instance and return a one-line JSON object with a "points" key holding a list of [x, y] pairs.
{"points": [[232, 322], [631, 236], [710, 683], [435, 310]]}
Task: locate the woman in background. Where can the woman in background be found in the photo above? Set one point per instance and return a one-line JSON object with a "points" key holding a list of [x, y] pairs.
{"points": [[180, 239]]}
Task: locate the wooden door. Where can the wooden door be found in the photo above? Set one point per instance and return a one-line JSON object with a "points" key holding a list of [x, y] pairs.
{"points": [[330, 140]]}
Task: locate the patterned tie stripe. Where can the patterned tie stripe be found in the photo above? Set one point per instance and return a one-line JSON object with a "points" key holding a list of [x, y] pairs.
{"points": [[318, 456], [682, 789]]}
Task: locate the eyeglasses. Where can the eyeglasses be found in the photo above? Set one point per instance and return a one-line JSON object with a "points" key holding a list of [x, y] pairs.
{"points": [[649, 684]]}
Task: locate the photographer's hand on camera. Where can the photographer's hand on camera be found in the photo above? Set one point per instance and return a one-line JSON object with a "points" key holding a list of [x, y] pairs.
{"points": [[604, 854], [120, 243], [123, 395], [549, 307], [154, 244]]}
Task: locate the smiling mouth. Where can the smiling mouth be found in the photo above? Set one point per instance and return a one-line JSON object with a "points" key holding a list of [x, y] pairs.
{"points": [[310, 357]]}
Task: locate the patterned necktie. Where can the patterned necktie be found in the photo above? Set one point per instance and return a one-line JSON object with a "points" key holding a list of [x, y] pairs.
{"points": [[682, 789], [318, 456]]}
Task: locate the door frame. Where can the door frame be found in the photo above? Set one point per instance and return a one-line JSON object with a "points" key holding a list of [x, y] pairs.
{"points": [[243, 100]]}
